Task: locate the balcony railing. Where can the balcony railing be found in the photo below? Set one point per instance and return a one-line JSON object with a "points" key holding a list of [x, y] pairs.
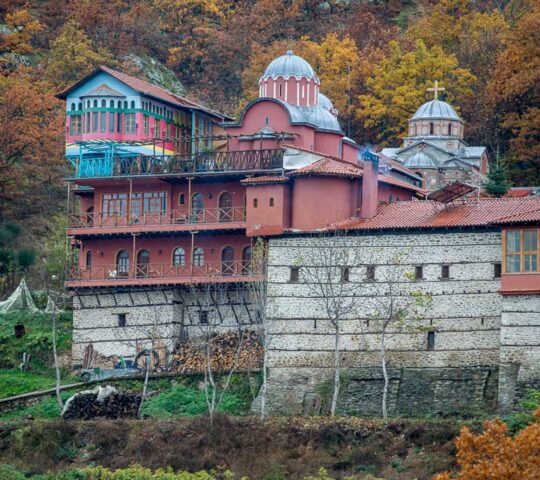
{"points": [[202, 162], [224, 215], [141, 272]]}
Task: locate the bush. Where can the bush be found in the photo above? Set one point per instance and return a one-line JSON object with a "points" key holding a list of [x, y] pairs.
{"points": [[518, 420]]}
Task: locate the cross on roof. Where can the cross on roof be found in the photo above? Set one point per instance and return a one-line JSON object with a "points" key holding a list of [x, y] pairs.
{"points": [[436, 89]]}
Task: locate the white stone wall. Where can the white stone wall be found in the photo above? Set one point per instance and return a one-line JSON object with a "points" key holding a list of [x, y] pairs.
{"points": [[160, 313], [520, 347]]}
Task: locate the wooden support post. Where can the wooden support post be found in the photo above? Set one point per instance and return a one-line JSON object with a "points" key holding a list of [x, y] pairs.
{"points": [[128, 213], [189, 199], [134, 255]]}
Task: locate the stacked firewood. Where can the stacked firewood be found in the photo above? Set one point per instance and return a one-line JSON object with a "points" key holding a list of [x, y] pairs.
{"points": [[104, 402], [222, 349]]}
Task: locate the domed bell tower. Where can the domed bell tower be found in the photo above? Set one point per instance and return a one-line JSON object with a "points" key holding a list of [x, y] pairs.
{"points": [[291, 79]]}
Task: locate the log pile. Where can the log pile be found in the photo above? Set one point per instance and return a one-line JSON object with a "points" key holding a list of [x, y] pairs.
{"points": [[191, 355], [102, 402]]}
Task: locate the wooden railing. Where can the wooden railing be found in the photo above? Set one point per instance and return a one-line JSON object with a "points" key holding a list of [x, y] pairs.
{"points": [[97, 273], [174, 217], [202, 162]]}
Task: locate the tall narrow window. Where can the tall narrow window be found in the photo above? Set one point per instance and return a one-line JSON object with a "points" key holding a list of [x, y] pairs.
{"points": [[255, 203], [122, 319], [122, 263], [431, 341], [197, 203], [294, 274], [103, 103], [157, 128], [497, 269], [111, 122], [146, 125], [246, 260], [95, 121], [181, 199], [179, 257], [345, 274], [89, 259], [445, 272], [203, 317], [118, 122], [103, 122], [370, 273], [530, 250], [143, 263], [271, 202], [449, 129], [129, 123], [227, 261], [418, 272], [198, 257], [431, 129], [513, 251]]}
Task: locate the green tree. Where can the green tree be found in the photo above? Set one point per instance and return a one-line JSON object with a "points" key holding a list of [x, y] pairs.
{"points": [[73, 55], [497, 180], [399, 86]]}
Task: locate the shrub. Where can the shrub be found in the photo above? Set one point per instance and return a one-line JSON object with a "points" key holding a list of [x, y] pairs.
{"points": [[520, 419]]}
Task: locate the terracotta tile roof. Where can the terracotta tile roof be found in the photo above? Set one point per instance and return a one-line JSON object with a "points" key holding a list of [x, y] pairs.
{"points": [[522, 217], [268, 179], [519, 192], [146, 88], [430, 214], [329, 167], [518, 291]]}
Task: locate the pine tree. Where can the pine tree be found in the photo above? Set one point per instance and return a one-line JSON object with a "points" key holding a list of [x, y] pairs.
{"points": [[497, 180]]}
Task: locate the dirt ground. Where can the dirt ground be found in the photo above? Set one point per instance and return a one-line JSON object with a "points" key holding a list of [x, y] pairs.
{"points": [[281, 448]]}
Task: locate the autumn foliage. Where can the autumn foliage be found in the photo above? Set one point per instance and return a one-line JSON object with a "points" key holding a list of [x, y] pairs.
{"points": [[495, 455]]}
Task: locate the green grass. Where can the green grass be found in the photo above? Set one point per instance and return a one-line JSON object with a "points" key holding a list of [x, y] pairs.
{"points": [[47, 408], [15, 382], [37, 340]]}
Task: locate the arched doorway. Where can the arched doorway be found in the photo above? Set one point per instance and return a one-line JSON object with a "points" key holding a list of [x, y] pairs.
{"points": [[225, 207], [246, 260], [227, 261], [143, 261], [122, 263], [197, 207]]}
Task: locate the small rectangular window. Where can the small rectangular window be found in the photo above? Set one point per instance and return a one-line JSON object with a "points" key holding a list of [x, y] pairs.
{"points": [[497, 269], [445, 271], [370, 273], [203, 317], [431, 341], [122, 319], [345, 273], [418, 272], [255, 203], [294, 274], [271, 202]]}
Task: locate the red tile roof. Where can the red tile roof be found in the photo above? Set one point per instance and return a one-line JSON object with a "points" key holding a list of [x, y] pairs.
{"points": [[430, 214], [519, 192], [268, 179], [146, 88], [329, 167]]}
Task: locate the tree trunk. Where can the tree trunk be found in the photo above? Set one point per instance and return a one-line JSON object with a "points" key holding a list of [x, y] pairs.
{"points": [[145, 384], [385, 373], [56, 366], [336, 374], [264, 382]]}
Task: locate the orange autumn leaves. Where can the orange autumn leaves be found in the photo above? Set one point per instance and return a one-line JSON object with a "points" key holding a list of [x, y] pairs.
{"points": [[494, 455]]}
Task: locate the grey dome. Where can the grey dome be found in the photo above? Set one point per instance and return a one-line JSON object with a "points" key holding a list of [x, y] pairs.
{"points": [[325, 102], [318, 116], [289, 65], [436, 109], [421, 160]]}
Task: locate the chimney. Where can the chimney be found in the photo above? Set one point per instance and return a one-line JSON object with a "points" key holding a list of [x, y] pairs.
{"points": [[370, 185]]}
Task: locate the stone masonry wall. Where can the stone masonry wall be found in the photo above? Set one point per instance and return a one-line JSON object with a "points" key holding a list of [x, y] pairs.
{"points": [[461, 371], [164, 313]]}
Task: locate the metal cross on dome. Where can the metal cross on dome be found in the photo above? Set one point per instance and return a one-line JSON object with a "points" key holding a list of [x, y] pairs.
{"points": [[436, 89]]}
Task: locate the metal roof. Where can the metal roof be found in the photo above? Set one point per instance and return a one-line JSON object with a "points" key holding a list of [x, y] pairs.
{"points": [[289, 65], [436, 109]]}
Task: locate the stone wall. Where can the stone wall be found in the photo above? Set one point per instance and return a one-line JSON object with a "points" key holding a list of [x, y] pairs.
{"points": [[464, 316], [520, 348], [161, 313]]}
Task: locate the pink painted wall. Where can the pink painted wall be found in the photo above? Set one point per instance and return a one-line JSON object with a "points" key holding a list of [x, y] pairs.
{"points": [[291, 90], [310, 209], [386, 190], [265, 219], [111, 247]]}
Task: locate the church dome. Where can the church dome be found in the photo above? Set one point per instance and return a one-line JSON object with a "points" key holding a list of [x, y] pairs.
{"points": [[421, 160], [435, 109], [325, 102], [289, 65]]}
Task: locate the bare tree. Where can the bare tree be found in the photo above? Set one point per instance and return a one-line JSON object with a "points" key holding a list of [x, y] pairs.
{"points": [[327, 271], [397, 311]]}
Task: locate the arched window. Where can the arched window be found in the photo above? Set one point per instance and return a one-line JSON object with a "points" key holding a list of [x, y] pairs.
{"points": [[415, 130], [246, 260], [181, 199], [72, 106], [111, 103], [179, 257], [271, 201], [431, 128], [198, 257], [122, 263], [143, 261], [132, 103], [89, 259], [280, 90], [197, 203], [391, 199], [95, 103], [126, 104], [255, 203], [80, 106], [449, 129], [88, 104], [103, 103], [225, 207], [397, 199], [227, 261]]}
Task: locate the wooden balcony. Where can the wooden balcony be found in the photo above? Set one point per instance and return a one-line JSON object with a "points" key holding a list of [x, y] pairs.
{"points": [[160, 274], [176, 165], [229, 218]]}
